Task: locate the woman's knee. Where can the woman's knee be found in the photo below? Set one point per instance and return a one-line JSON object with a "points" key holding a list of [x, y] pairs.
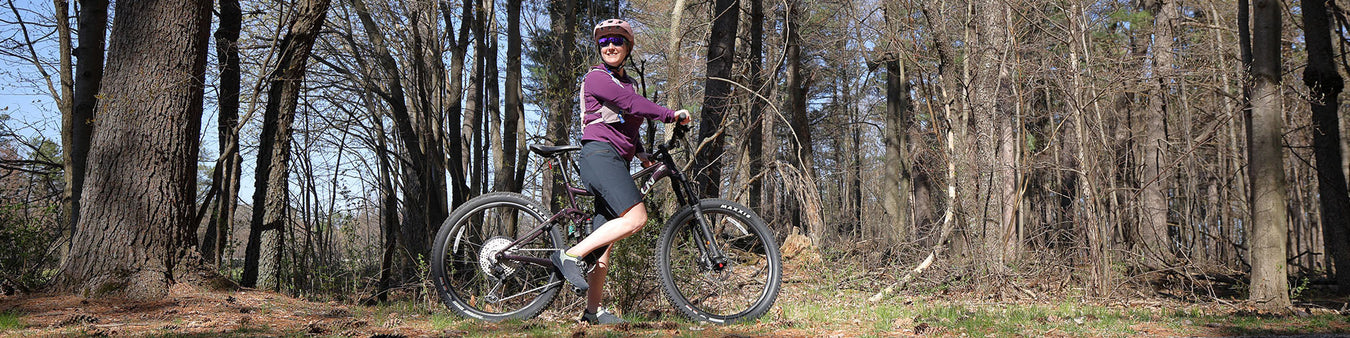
{"points": [[635, 217]]}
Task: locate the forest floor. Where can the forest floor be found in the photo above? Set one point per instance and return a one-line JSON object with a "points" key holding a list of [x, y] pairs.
{"points": [[809, 305]]}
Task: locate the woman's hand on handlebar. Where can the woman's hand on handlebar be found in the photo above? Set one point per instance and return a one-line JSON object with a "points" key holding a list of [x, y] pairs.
{"points": [[683, 117], [646, 159]]}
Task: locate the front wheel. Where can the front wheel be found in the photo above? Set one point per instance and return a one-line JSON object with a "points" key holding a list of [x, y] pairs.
{"points": [[745, 285]]}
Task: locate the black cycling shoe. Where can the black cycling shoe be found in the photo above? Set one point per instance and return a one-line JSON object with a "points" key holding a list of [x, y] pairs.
{"points": [[601, 316], [570, 268]]}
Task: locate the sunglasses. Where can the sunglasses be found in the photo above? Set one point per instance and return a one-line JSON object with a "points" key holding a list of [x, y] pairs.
{"points": [[612, 40]]}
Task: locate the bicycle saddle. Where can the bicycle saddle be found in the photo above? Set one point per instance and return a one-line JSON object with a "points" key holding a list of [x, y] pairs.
{"points": [[550, 151]]}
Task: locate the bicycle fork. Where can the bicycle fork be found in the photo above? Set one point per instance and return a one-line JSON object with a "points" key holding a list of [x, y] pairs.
{"points": [[713, 257], [716, 260]]}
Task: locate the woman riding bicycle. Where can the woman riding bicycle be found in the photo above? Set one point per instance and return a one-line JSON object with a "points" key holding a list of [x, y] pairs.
{"points": [[614, 113]]}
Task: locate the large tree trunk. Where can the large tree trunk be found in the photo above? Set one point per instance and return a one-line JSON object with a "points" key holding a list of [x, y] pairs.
{"points": [[895, 137], [717, 96], [227, 52], [995, 147], [562, 15], [501, 178], [1325, 84], [65, 104], [425, 183], [799, 146], [513, 137], [1269, 231], [135, 236], [270, 197], [78, 127], [454, 96], [1154, 244], [472, 130], [755, 134]]}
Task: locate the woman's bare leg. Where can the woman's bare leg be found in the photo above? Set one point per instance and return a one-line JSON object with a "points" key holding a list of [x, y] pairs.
{"points": [[626, 225], [597, 281]]}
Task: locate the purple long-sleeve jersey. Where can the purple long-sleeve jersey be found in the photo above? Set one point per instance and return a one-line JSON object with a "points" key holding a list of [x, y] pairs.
{"points": [[600, 87]]}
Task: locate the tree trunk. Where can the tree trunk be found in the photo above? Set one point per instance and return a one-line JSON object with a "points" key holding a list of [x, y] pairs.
{"points": [[78, 128], [501, 178], [562, 15], [135, 235], [270, 197], [421, 205], [1269, 231], [717, 96], [65, 104], [895, 137], [994, 144], [799, 146], [388, 211], [227, 52], [454, 96], [513, 138], [473, 133], [755, 133], [1153, 243], [1325, 84], [427, 162]]}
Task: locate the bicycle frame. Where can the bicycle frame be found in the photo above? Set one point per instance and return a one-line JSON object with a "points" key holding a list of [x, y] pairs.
{"points": [[665, 167]]}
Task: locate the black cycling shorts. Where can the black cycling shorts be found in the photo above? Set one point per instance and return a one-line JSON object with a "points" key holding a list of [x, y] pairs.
{"points": [[605, 174]]}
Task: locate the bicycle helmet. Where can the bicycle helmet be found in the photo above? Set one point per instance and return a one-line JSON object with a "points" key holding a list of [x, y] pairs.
{"points": [[613, 27]]}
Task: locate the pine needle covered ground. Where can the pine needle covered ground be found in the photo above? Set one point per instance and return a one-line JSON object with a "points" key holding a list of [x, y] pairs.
{"points": [[810, 305]]}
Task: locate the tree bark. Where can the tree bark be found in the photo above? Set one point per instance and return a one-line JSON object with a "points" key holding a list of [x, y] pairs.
{"points": [[227, 53], [501, 177], [1325, 84], [895, 137], [1269, 231], [994, 143], [799, 147], [425, 183], [562, 15], [389, 225], [135, 235], [473, 140], [513, 137], [65, 104], [454, 96], [270, 197], [1153, 243], [755, 135], [717, 96], [78, 129]]}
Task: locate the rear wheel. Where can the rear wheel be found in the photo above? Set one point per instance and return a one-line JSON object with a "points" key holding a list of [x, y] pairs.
{"points": [[469, 275], [741, 290]]}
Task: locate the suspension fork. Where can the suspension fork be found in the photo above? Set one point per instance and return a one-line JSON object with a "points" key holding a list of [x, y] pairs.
{"points": [[714, 258]]}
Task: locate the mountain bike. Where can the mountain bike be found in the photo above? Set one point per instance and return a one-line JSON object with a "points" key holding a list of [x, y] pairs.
{"points": [[716, 259]]}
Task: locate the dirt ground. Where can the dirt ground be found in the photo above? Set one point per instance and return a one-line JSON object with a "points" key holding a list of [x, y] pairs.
{"points": [[807, 307], [190, 311]]}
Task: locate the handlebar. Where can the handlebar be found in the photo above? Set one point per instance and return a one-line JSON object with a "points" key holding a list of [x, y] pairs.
{"points": [[676, 135]]}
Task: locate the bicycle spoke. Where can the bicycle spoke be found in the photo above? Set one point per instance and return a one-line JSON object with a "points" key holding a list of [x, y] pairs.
{"points": [[472, 275], [742, 288]]}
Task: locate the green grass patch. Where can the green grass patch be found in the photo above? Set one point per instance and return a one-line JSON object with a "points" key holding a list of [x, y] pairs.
{"points": [[9, 320], [444, 320], [1243, 325]]}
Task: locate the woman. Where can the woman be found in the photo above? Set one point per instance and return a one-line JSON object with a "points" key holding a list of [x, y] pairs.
{"points": [[613, 116]]}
